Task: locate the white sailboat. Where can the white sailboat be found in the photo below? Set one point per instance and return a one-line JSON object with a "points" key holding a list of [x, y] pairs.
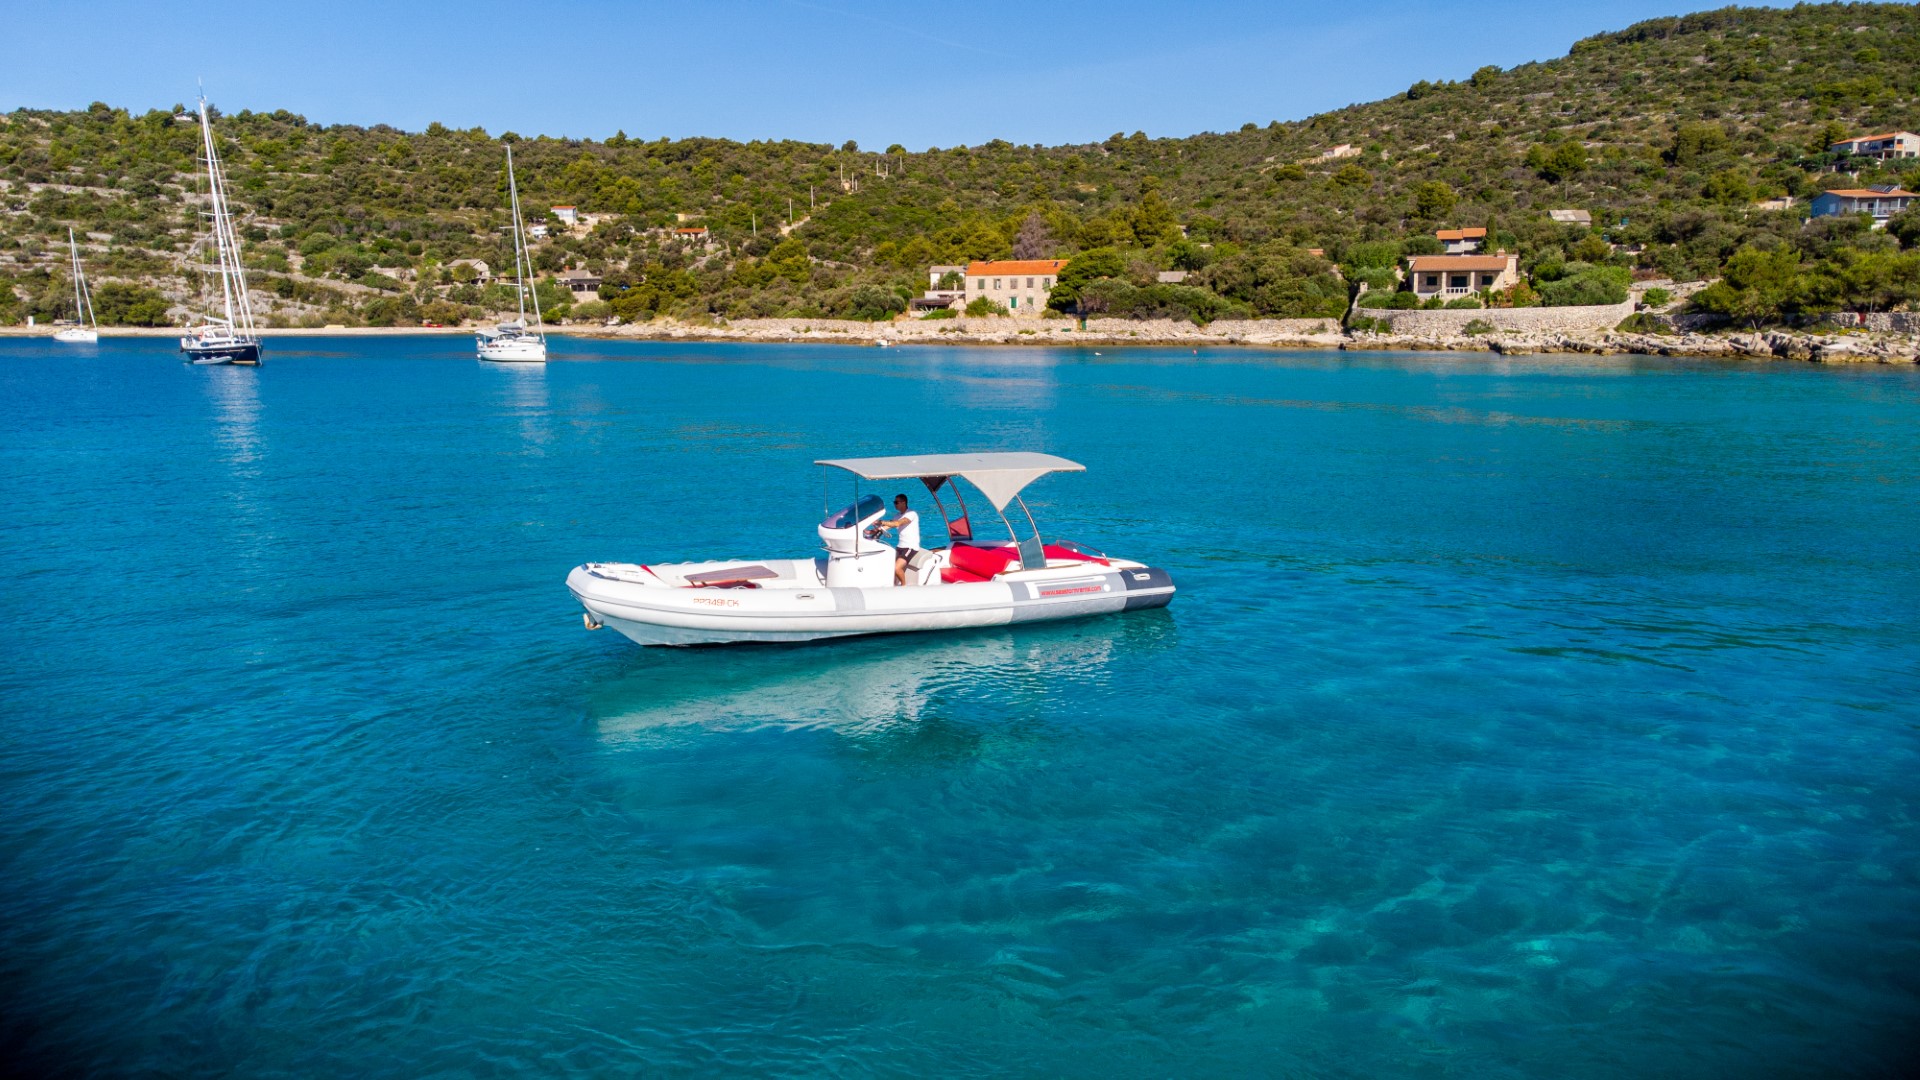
{"points": [[513, 342], [88, 330], [230, 338]]}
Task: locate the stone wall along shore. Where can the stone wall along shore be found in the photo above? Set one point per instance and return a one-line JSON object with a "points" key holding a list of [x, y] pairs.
{"points": [[1531, 320], [1000, 331]]}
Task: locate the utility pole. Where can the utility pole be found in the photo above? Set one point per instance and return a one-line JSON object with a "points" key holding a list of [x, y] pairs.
{"points": [[754, 218], [809, 198]]}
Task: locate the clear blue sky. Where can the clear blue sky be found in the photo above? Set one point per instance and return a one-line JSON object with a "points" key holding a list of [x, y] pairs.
{"points": [[934, 74]]}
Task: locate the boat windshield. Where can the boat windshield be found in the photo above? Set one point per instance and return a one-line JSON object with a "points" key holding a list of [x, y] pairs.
{"points": [[854, 513]]}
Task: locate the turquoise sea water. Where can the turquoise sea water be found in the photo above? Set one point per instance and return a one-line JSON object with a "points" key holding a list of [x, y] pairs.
{"points": [[1516, 718]]}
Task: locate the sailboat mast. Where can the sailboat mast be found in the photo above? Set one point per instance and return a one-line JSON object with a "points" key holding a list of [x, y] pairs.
{"points": [[521, 260], [218, 214], [73, 249], [232, 278]]}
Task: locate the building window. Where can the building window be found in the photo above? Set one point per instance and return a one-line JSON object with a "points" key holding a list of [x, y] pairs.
{"points": [[1458, 281], [1029, 283], [1013, 302], [996, 284], [1433, 281]]}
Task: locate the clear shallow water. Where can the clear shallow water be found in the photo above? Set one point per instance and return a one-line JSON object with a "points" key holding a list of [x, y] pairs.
{"points": [[1516, 718]]}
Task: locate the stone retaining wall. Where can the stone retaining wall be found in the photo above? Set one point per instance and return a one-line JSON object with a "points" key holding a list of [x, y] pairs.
{"points": [[1003, 329], [1532, 320], [1230, 329], [1884, 322]]}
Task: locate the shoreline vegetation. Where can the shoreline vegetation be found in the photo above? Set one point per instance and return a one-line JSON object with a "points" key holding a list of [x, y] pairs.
{"points": [[1835, 345], [1670, 171]]}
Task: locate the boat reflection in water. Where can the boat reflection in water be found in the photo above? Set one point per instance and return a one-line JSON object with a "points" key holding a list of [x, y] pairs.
{"points": [[873, 687]]}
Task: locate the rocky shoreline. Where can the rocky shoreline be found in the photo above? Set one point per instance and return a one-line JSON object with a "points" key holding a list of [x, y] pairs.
{"points": [[1847, 347], [1852, 346], [1867, 348]]}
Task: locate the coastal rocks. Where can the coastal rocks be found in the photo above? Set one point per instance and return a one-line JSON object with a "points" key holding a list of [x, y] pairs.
{"points": [[1850, 346]]}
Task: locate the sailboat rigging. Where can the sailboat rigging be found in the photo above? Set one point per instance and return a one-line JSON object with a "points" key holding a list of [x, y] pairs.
{"points": [[230, 338], [514, 342], [87, 328]]}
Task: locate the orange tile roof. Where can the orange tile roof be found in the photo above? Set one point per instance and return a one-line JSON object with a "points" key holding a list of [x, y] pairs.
{"points": [[1444, 263], [1461, 234], [1869, 193], [1017, 266], [1876, 138]]}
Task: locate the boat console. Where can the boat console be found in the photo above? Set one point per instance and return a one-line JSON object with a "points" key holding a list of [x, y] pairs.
{"points": [[852, 560]]}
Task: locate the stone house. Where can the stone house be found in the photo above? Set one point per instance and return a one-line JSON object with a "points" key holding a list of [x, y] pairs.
{"points": [[1882, 202], [1453, 276], [568, 215], [581, 283], [1571, 217], [1887, 146], [1461, 241], [482, 275], [1021, 285]]}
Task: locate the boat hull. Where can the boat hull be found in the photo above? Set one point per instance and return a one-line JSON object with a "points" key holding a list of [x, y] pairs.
{"points": [[77, 337], [512, 350], [243, 352], [656, 615]]}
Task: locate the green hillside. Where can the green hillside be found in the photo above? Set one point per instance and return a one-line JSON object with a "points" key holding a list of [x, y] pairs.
{"points": [[1667, 132]]}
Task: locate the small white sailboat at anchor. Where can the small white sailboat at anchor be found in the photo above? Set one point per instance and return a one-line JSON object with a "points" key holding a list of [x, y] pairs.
{"points": [[87, 330], [513, 342], [229, 338]]}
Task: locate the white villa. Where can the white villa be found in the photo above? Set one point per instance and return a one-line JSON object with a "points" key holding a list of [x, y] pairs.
{"points": [[1892, 144], [938, 297]]}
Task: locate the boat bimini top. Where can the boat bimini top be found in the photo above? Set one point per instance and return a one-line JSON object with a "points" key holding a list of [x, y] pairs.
{"points": [[1000, 476]]}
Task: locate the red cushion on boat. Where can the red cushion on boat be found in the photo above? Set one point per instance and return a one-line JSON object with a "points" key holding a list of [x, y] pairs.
{"points": [[954, 577], [981, 561]]}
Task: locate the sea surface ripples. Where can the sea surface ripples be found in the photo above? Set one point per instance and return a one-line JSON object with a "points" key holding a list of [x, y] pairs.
{"points": [[1517, 717]]}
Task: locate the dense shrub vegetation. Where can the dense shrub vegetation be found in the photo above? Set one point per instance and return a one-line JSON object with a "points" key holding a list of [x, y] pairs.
{"points": [[1667, 132]]}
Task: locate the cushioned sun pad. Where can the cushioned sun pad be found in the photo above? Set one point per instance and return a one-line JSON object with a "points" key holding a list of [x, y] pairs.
{"points": [[730, 573]]}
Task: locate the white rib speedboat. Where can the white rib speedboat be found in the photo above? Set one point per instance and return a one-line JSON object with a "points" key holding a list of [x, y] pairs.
{"points": [[849, 588]]}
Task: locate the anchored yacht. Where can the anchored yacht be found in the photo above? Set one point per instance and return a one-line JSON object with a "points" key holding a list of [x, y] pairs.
{"points": [[86, 330], [514, 342], [850, 587], [229, 338]]}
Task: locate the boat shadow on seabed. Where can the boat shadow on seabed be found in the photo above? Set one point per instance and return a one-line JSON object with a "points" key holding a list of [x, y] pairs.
{"points": [[868, 686]]}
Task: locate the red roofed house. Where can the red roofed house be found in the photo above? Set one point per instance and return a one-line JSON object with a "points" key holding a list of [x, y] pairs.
{"points": [[1893, 144], [1021, 285], [1451, 276], [1462, 241], [1882, 202], [692, 232]]}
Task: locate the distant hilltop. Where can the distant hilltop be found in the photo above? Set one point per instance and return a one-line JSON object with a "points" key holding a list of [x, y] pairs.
{"points": [[1663, 150]]}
